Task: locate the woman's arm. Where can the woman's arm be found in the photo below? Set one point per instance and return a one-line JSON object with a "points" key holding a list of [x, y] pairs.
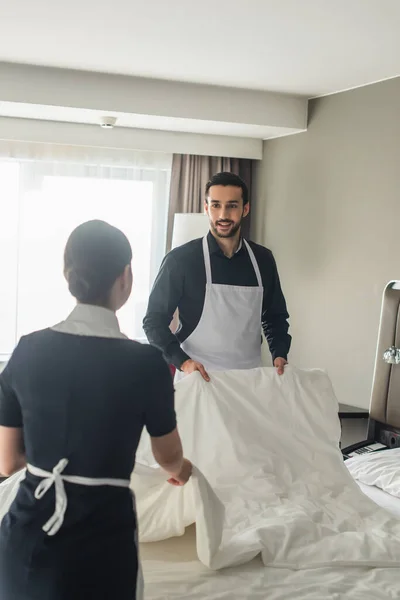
{"points": [[160, 419], [167, 451], [12, 451]]}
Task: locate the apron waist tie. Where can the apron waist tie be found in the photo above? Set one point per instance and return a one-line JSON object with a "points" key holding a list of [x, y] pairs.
{"points": [[57, 479]]}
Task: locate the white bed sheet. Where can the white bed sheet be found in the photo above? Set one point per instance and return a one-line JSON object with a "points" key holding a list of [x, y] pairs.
{"points": [[172, 571]]}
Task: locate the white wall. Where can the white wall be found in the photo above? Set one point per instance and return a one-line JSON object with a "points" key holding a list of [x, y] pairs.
{"points": [[328, 205]]}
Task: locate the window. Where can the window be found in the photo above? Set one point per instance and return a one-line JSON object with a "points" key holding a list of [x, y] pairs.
{"points": [[40, 204]]}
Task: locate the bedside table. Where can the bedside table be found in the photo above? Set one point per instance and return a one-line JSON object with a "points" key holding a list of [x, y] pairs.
{"points": [[352, 412], [354, 423]]}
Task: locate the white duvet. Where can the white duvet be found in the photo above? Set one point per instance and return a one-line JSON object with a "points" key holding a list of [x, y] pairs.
{"points": [[269, 477]]}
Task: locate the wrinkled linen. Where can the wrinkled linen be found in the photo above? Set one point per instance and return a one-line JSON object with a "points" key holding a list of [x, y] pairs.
{"points": [[380, 469], [269, 477]]}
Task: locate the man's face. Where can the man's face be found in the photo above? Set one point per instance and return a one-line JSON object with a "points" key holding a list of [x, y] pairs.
{"points": [[225, 210]]}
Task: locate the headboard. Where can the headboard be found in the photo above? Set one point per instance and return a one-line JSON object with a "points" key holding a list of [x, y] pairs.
{"points": [[385, 397]]}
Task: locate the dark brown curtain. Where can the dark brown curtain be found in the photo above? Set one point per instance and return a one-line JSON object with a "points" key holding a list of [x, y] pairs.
{"points": [[189, 177]]}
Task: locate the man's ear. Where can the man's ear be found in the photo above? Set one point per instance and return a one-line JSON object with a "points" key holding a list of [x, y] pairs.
{"points": [[246, 209], [205, 207]]}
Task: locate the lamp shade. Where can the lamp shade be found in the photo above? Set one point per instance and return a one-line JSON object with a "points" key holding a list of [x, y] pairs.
{"points": [[188, 227]]}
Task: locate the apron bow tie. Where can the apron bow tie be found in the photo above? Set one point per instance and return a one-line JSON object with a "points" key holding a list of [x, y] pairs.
{"points": [[56, 478], [50, 479]]}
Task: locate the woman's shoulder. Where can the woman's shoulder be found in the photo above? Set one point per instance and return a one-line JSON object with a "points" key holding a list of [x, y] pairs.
{"points": [[48, 341], [34, 338]]}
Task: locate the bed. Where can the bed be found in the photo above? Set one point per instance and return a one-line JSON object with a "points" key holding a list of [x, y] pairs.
{"points": [[173, 571]]}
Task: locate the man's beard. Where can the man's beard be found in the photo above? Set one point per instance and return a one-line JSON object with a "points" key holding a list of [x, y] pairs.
{"points": [[230, 233]]}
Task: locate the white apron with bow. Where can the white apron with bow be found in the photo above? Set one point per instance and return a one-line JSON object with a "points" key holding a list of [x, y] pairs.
{"points": [[228, 335], [56, 478]]}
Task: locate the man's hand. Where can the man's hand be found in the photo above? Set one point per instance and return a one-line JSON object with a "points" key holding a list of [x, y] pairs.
{"points": [[190, 366], [184, 475], [279, 364]]}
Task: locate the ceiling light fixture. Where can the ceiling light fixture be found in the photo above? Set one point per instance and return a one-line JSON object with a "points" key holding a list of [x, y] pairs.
{"points": [[108, 122]]}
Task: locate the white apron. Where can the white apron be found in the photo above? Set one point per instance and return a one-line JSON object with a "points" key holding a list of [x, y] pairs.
{"points": [[55, 522], [228, 335]]}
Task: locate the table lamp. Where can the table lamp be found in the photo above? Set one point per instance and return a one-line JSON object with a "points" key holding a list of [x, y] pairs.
{"points": [[187, 227]]}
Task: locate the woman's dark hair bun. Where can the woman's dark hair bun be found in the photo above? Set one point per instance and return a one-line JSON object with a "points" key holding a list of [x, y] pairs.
{"points": [[96, 254], [77, 284]]}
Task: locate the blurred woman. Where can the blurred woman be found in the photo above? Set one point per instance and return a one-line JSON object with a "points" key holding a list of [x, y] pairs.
{"points": [[73, 402]]}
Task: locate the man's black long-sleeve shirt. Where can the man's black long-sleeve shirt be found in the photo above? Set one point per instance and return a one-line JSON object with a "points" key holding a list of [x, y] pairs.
{"points": [[181, 283]]}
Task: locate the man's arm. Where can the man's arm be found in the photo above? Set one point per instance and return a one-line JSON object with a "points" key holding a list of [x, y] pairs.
{"points": [[163, 301], [275, 316]]}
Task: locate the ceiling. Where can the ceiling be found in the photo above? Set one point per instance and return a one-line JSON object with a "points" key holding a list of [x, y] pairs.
{"points": [[234, 68], [307, 47]]}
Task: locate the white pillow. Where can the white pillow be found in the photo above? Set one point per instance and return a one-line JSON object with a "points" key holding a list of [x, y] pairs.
{"points": [[381, 469]]}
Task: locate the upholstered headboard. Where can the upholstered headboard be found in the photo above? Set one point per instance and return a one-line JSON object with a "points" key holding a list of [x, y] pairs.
{"points": [[385, 398]]}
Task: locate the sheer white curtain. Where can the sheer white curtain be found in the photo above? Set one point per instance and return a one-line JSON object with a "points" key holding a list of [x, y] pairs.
{"points": [[41, 202]]}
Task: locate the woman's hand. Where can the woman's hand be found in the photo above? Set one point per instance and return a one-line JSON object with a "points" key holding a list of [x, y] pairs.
{"points": [[184, 475]]}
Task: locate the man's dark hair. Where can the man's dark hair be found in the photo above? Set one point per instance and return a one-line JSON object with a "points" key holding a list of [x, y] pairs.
{"points": [[225, 178], [95, 256]]}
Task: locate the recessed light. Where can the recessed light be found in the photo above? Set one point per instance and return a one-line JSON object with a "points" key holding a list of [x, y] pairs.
{"points": [[108, 122]]}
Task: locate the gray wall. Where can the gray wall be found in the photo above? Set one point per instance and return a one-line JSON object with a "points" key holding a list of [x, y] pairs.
{"points": [[328, 205]]}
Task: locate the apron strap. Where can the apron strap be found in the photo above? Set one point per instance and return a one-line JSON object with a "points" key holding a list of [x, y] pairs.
{"points": [[57, 479], [254, 263], [207, 262]]}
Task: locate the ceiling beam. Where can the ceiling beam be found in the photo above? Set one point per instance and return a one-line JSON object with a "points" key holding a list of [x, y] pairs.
{"points": [[122, 138], [116, 93]]}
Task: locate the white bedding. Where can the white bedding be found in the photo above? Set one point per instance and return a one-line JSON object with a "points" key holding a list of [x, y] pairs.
{"points": [[379, 469], [173, 571], [271, 479], [383, 499]]}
